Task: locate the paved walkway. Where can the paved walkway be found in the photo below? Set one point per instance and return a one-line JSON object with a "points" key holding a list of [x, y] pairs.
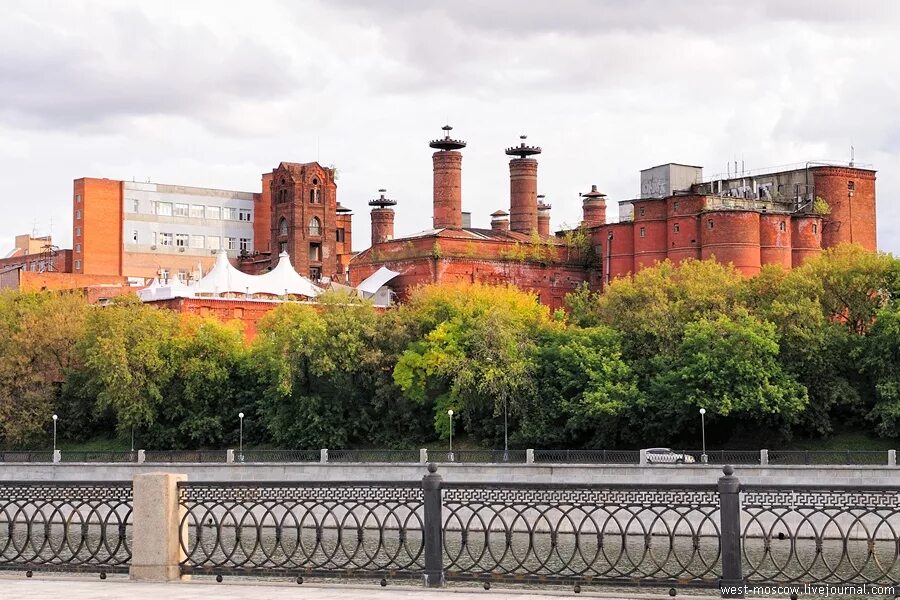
{"points": [[44, 587]]}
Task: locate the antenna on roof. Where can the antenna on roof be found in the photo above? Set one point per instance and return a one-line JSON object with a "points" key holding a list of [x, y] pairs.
{"points": [[852, 155]]}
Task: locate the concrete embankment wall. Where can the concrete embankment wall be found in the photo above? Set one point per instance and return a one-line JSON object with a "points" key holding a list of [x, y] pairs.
{"points": [[461, 473]]}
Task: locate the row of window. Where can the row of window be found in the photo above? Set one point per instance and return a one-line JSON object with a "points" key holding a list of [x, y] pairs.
{"points": [[199, 242], [197, 211], [315, 227], [315, 250], [314, 196], [710, 224]]}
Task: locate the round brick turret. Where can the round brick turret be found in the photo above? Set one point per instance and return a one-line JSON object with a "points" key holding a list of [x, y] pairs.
{"points": [[593, 208], [731, 236], [543, 217], [382, 218], [447, 163]]}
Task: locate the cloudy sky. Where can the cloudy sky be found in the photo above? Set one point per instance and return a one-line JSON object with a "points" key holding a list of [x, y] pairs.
{"points": [[213, 94]]}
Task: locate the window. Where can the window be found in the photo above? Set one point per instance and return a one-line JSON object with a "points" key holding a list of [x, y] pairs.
{"points": [[314, 196], [851, 186], [164, 274], [197, 211], [676, 228], [315, 226], [675, 206], [77, 198], [229, 214], [212, 212], [230, 243], [164, 209], [710, 224], [282, 226], [165, 239], [77, 265], [78, 232], [244, 215], [198, 241], [135, 205], [181, 210], [212, 242], [315, 252], [782, 226], [155, 238], [78, 214], [134, 236], [181, 240], [282, 196], [78, 248], [315, 273], [643, 232], [815, 228], [642, 211], [341, 234], [282, 247], [245, 244]]}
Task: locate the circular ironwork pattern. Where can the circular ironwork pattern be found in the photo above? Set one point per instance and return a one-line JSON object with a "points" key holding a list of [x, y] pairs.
{"points": [[821, 536], [610, 534], [65, 527], [286, 527]]}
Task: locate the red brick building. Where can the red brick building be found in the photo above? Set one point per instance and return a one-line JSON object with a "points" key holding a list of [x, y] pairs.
{"points": [[779, 217]]}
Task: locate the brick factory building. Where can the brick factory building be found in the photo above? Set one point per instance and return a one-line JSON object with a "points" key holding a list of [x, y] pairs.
{"points": [[126, 233], [781, 217]]}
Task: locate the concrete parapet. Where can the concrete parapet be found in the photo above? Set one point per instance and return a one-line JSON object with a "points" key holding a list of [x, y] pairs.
{"points": [[156, 548]]}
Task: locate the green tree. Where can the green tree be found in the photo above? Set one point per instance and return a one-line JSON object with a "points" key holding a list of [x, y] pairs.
{"points": [[37, 336]]}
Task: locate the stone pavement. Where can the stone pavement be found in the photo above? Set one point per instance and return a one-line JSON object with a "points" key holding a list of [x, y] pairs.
{"points": [[68, 587]]}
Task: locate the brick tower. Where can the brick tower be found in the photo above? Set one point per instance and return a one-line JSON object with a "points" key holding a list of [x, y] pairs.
{"points": [[523, 210], [382, 218], [593, 208], [447, 181], [304, 209], [543, 216]]}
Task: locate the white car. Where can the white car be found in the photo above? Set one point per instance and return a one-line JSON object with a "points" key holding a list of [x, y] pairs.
{"points": [[667, 456]]}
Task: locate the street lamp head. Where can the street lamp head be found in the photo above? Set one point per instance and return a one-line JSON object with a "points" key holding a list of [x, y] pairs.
{"points": [[55, 417], [702, 411], [450, 412], [240, 415]]}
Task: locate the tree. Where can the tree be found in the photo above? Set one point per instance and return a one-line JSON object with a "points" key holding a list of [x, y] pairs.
{"points": [[729, 366], [879, 361], [37, 335], [474, 354], [128, 353], [582, 386]]}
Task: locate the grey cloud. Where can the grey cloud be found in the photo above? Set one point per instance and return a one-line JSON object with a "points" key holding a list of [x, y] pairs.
{"points": [[124, 64]]}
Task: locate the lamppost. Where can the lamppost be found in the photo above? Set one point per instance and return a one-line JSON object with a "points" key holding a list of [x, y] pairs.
{"points": [[55, 418], [450, 454], [241, 446], [132, 438], [505, 434], [703, 457]]}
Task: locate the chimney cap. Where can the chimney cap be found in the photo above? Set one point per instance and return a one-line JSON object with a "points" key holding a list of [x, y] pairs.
{"points": [[593, 193], [522, 150], [447, 143], [342, 209], [499, 213], [382, 202]]}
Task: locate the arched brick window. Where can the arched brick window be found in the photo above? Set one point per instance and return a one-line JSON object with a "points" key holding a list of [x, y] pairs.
{"points": [[315, 226], [282, 226]]}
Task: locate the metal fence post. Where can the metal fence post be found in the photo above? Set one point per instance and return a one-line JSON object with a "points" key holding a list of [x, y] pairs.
{"points": [[142, 455], [732, 582], [323, 455], [763, 457], [529, 456], [229, 455], [432, 528], [423, 455]]}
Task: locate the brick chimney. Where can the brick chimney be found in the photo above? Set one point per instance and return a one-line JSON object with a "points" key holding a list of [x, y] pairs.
{"points": [[593, 208], [543, 217], [447, 181], [500, 220], [382, 218], [523, 209]]}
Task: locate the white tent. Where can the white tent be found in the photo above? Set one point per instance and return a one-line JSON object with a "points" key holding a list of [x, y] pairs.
{"points": [[375, 281], [283, 279], [174, 289], [149, 292], [224, 278]]}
